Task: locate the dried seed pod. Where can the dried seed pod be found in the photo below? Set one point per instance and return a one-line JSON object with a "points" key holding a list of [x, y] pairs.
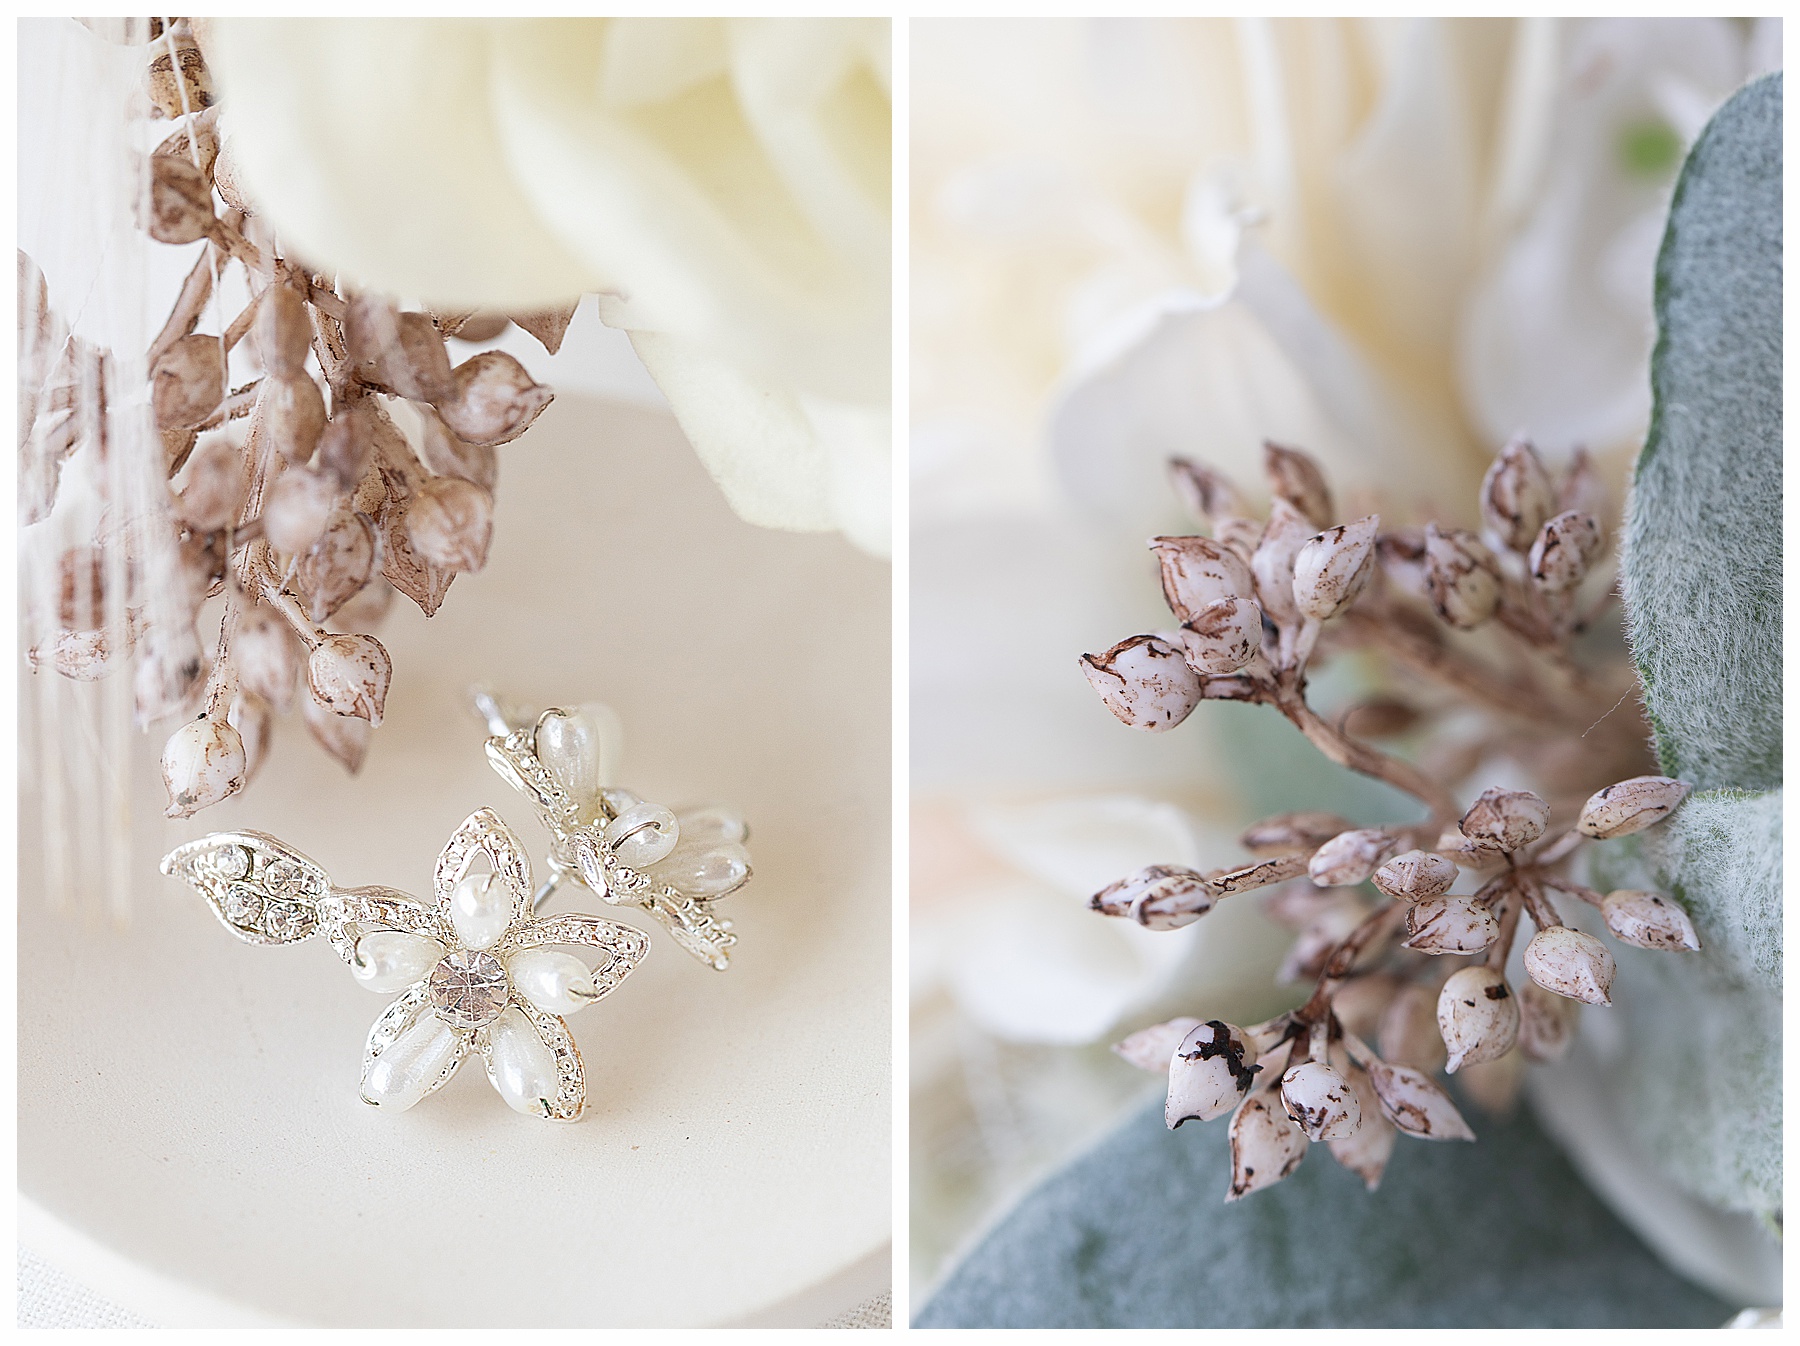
{"points": [[1631, 806], [347, 443], [1365, 1151], [1334, 567], [1493, 1086], [298, 507], [197, 142], [1266, 1146], [81, 656], [349, 675], [1295, 477], [448, 456], [404, 351], [1223, 636], [342, 736], [1570, 963], [1306, 959], [1580, 488], [1516, 495], [492, 400], [1258, 875], [338, 566], [176, 205], [202, 763], [1414, 1104], [292, 414], [1478, 1016], [408, 572], [225, 178], [1547, 1023], [1243, 536], [283, 331], [188, 382], [1145, 682], [267, 657], [450, 523], [1168, 895], [1509, 819], [1468, 852], [1197, 572], [1648, 920], [177, 81], [1273, 563], [1295, 906], [1351, 857], [1150, 1048], [1445, 925], [1565, 548], [1212, 1068], [1462, 578], [1381, 717], [1401, 556], [1208, 495], [549, 324], [476, 326], [171, 670], [255, 725], [213, 486], [1292, 832], [1409, 1030], [1414, 875], [1320, 1101], [366, 608]]}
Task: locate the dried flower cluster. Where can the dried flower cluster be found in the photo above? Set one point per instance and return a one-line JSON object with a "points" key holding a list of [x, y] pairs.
{"points": [[1418, 965], [313, 515]]}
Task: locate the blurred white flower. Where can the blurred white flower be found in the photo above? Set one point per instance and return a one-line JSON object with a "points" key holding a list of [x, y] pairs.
{"points": [[722, 183]]}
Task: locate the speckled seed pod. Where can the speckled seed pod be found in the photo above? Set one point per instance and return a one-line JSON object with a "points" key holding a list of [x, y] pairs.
{"points": [[349, 675], [1360, 1002], [1243, 536], [212, 487], [1266, 1146], [1565, 549], [1292, 832], [1320, 1101], [1223, 636], [405, 351], [1273, 563], [1415, 1105], [1334, 567], [1508, 819], [338, 566], [197, 142], [1449, 925], [1207, 495], [176, 206], [1466, 852], [1145, 682], [267, 657], [344, 737], [1414, 875], [1305, 959], [549, 324], [293, 414], [1212, 1068], [347, 443], [188, 382], [1572, 964], [475, 327], [297, 508], [1197, 572], [1365, 1151], [1547, 1023], [448, 456], [177, 82], [1462, 578], [451, 523], [1351, 857], [1150, 1048], [1175, 897], [1516, 495], [1478, 1016], [1648, 920], [225, 178], [1295, 477], [1631, 806], [202, 763], [255, 723], [1409, 1030], [493, 400], [283, 331], [1401, 556]]}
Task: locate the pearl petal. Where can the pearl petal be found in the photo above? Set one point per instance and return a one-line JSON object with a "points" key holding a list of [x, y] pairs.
{"points": [[642, 834], [581, 747], [405, 1072], [707, 873], [558, 983], [711, 826], [522, 1068], [480, 909], [392, 960]]}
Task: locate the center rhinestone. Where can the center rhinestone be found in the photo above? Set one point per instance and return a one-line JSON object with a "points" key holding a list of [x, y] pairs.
{"points": [[468, 988]]}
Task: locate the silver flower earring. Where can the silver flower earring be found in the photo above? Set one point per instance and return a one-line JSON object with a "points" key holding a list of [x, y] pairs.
{"points": [[477, 969]]}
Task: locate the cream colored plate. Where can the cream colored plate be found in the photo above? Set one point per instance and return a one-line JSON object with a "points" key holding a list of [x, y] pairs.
{"points": [[189, 1128]]}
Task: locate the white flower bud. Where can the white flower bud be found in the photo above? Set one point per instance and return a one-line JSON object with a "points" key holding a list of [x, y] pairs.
{"points": [[1197, 571], [1570, 963], [283, 331], [1414, 875], [1631, 806], [188, 382], [1648, 920], [1509, 819], [344, 737], [1365, 1150], [292, 412], [1462, 577], [1478, 1016], [1295, 477], [1266, 1146], [1443, 925], [1414, 1104], [202, 763], [213, 485], [451, 523], [177, 205], [1273, 563], [1409, 1030], [267, 657], [1208, 495], [1160, 897], [492, 399], [1223, 636], [1516, 495], [1351, 857], [1320, 1101], [349, 675], [1334, 567], [1287, 832], [1211, 1069], [1151, 1048], [1145, 682], [298, 507], [1547, 1023], [1566, 547]]}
